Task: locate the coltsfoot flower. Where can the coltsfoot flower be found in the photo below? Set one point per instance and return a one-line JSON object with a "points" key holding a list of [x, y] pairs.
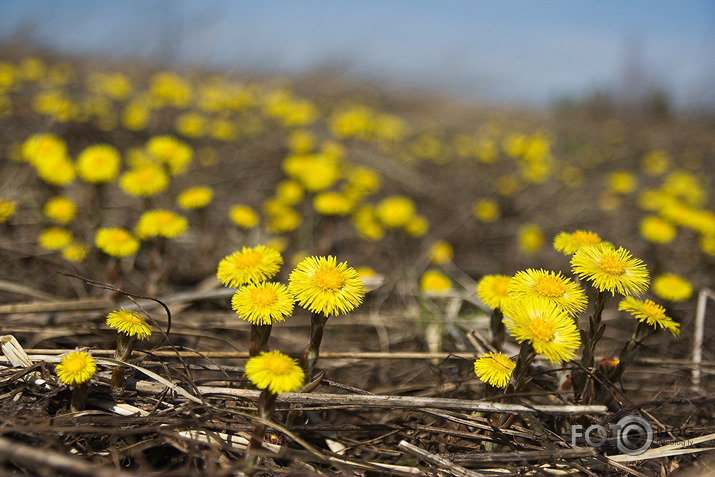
{"points": [[548, 328], [551, 286], [276, 372], [672, 287], [322, 285], [610, 269], [494, 369], [649, 312], [263, 303], [161, 223], [129, 322], [77, 367], [494, 290], [570, 243], [249, 265], [116, 242]]}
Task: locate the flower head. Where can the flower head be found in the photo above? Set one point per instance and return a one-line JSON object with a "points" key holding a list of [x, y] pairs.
{"points": [[570, 243], [649, 312], [494, 369], [441, 252], [39, 147], [434, 281], [75, 252], [130, 323], [60, 209], [610, 269], [243, 216], [7, 209], [494, 290], [262, 303], [55, 238], [657, 230], [395, 211], [332, 203], [175, 154], [486, 210], [55, 170], [144, 180], [195, 197], [551, 286], [531, 238], [76, 368], [116, 242], [160, 223], [545, 326], [672, 287], [322, 285], [276, 372], [98, 163], [249, 265]]}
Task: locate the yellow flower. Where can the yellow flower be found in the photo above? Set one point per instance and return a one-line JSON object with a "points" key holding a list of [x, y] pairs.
{"points": [[54, 238], [494, 290], [160, 223], [548, 328], [611, 270], [116, 242], [98, 163], [131, 323], [190, 124], [60, 209], [417, 226], [55, 170], [322, 285], [290, 192], [365, 223], [672, 287], [243, 216], [283, 219], [195, 197], [276, 372], [144, 180], [40, 147], [494, 369], [76, 368], [657, 230], [262, 303], [249, 265], [550, 286], [486, 210], [75, 252], [649, 312], [395, 211], [440, 252], [332, 203], [570, 243], [7, 209], [531, 238], [433, 281], [621, 182], [655, 162]]}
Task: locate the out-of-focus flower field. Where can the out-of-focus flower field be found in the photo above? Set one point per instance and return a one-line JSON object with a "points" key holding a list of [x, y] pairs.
{"points": [[123, 181]]}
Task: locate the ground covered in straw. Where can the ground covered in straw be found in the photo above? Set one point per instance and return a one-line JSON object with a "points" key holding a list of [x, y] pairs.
{"points": [[399, 395]]}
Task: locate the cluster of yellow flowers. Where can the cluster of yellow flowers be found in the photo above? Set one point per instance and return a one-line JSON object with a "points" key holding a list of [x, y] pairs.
{"points": [[541, 307]]}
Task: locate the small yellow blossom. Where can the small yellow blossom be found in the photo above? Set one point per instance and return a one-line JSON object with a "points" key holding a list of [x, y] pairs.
{"points": [[276, 372]]}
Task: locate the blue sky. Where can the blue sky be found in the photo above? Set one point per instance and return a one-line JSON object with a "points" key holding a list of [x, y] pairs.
{"points": [[509, 51]]}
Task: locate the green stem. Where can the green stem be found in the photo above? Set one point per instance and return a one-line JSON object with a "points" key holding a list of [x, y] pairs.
{"points": [[310, 356], [590, 338], [125, 346]]}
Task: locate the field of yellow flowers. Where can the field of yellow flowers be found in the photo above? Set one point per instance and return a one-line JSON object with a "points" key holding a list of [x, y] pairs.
{"points": [[215, 274]]}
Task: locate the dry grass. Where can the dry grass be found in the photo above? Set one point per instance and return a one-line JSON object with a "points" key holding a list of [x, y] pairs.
{"points": [[386, 405]]}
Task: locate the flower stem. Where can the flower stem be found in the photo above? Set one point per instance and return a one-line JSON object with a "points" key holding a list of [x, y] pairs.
{"points": [[590, 338], [125, 346], [79, 396], [266, 408], [498, 329], [259, 339], [310, 356]]}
